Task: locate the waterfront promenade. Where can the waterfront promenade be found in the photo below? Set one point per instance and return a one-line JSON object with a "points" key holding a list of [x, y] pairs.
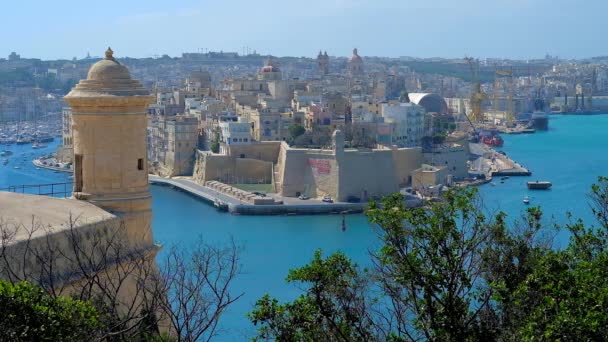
{"points": [[290, 206]]}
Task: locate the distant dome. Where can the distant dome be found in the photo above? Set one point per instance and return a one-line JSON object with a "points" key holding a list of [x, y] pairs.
{"points": [[355, 57], [108, 78]]}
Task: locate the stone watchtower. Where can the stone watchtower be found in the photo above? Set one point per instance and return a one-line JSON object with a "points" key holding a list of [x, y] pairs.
{"points": [[110, 153]]}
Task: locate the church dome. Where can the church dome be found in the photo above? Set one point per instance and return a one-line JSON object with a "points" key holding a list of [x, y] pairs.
{"points": [[355, 57], [108, 78]]}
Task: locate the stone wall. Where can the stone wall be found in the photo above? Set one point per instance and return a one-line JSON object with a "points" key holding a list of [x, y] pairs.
{"points": [[358, 173], [307, 171], [227, 169], [367, 174], [406, 160], [266, 151]]}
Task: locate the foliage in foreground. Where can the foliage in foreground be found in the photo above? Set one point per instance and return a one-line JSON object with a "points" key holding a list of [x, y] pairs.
{"points": [[29, 313], [447, 272]]}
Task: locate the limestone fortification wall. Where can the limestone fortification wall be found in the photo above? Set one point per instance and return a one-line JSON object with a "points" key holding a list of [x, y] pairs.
{"points": [[210, 167], [266, 151], [362, 174], [366, 174], [359, 173], [405, 161], [310, 172]]}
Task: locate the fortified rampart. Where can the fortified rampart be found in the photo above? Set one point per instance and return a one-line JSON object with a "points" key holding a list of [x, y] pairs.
{"points": [[228, 169], [340, 173]]}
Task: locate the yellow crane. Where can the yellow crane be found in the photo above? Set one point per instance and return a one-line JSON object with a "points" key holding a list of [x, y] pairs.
{"points": [[477, 95], [505, 76]]}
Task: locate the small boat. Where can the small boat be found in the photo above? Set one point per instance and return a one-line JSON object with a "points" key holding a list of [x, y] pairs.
{"points": [[539, 185], [5, 153], [493, 184], [343, 222], [16, 167], [526, 200]]}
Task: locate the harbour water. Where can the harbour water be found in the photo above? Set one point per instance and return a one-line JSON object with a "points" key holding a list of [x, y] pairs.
{"points": [[571, 155]]}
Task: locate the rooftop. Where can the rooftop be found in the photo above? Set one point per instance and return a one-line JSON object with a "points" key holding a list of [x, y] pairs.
{"points": [[25, 211]]}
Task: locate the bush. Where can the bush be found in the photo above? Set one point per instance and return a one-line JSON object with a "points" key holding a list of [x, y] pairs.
{"points": [[29, 313]]}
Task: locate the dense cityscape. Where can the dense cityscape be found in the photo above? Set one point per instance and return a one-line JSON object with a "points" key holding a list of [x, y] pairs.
{"points": [[249, 120], [341, 196]]}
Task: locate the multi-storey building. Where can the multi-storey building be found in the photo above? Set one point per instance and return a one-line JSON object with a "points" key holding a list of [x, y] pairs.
{"points": [[407, 120]]}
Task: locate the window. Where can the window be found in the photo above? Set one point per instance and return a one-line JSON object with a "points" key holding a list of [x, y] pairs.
{"points": [[140, 164], [242, 155], [78, 172]]}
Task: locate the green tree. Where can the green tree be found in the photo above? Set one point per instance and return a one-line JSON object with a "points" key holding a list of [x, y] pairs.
{"points": [[30, 314], [215, 143], [333, 307], [296, 130], [446, 272], [566, 295]]}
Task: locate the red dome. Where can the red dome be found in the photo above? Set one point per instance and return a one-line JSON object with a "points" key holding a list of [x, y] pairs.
{"points": [[356, 57]]}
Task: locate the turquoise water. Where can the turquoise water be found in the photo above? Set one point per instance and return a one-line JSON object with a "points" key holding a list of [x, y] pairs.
{"points": [[571, 155], [26, 172]]}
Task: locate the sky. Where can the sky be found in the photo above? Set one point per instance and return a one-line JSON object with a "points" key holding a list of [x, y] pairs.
{"points": [[424, 28]]}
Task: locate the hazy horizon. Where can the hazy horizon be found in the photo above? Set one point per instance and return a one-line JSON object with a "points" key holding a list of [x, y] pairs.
{"points": [[513, 29]]}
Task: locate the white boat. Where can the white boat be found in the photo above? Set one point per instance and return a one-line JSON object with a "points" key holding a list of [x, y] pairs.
{"points": [[526, 200]]}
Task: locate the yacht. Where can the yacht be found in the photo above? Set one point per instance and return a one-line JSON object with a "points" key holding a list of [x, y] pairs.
{"points": [[539, 185], [526, 200]]}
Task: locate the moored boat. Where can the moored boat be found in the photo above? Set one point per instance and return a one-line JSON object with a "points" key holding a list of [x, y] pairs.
{"points": [[539, 185]]}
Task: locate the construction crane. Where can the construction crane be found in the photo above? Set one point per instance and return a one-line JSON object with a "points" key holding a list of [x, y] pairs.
{"points": [[477, 96], [505, 76]]}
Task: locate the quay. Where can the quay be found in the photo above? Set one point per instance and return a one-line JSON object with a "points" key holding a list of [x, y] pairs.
{"points": [[51, 164], [290, 206], [495, 164]]}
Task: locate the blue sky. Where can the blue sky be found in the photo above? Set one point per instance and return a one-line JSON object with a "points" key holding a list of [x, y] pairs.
{"points": [[423, 28]]}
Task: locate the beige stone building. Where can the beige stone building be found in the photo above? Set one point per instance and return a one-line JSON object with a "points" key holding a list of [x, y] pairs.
{"points": [[178, 140]]}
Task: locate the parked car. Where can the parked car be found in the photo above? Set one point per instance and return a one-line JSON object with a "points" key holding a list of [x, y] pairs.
{"points": [[303, 197], [327, 199], [257, 193]]}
